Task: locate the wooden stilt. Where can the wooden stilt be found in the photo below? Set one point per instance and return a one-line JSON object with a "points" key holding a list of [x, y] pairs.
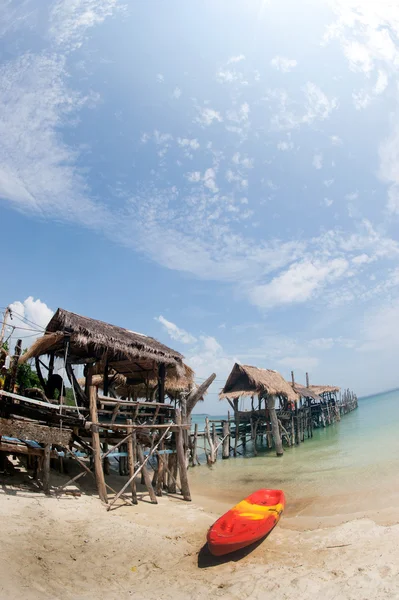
{"points": [[160, 474], [270, 402], [226, 440], [172, 472], [46, 468], [98, 467], [146, 475], [181, 461], [194, 448], [131, 451]]}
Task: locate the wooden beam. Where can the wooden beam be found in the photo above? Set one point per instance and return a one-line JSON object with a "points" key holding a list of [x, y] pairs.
{"points": [[161, 382], [196, 394], [270, 403], [98, 466]]}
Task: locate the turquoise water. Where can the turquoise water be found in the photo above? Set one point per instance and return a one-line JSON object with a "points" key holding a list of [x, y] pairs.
{"points": [[358, 456]]}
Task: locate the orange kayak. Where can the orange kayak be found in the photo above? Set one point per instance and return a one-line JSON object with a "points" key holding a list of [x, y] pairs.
{"points": [[247, 522]]}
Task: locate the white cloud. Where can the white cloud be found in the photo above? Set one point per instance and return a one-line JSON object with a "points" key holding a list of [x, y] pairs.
{"points": [[176, 93], [243, 161], [70, 19], [328, 182], [382, 83], [336, 140], [29, 318], [358, 56], [328, 201], [193, 144], [236, 59], [160, 78], [299, 283], [352, 196], [175, 332], [285, 146], [230, 76], [194, 176], [285, 65], [318, 105], [362, 259], [38, 172], [207, 116], [361, 99], [317, 161], [210, 180]]}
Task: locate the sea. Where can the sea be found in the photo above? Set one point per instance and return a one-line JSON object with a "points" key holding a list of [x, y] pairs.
{"points": [[352, 463]]}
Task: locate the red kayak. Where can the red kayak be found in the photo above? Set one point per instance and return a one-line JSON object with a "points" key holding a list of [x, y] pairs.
{"points": [[247, 522]]}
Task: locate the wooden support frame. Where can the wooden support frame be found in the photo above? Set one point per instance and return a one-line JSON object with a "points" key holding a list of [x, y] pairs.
{"points": [[98, 465]]}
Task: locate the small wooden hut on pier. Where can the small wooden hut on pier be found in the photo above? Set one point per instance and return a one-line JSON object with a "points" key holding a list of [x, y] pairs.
{"points": [[41, 425], [298, 410]]}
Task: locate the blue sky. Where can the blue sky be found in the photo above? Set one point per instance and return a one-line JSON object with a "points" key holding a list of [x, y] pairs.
{"points": [[221, 175]]}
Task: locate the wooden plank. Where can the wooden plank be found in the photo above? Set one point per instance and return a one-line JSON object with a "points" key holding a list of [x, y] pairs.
{"points": [[98, 466], [115, 413]]}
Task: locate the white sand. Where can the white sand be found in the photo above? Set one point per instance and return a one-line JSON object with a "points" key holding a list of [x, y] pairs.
{"points": [[72, 548]]}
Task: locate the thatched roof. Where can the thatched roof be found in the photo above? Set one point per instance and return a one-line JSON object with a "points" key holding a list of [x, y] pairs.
{"points": [[305, 392], [322, 389], [92, 340], [245, 380], [125, 387]]}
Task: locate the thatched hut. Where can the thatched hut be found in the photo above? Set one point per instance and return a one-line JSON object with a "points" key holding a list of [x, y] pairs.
{"points": [[80, 340], [245, 380]]}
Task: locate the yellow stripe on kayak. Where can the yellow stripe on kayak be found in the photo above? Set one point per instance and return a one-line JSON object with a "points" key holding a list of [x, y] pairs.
{"points": [[257, 512]]}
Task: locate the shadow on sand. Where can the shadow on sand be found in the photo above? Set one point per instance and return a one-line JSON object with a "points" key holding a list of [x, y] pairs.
{"points": [[206, 559]]}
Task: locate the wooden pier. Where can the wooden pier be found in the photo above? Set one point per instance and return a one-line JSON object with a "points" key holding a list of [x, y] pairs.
{"points": [[300, 410]]}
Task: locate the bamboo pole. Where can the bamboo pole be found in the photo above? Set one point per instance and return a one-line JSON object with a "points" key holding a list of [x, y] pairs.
{"points": [[98, 467]]}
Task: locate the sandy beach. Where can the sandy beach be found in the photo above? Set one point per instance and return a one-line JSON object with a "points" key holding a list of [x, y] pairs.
{"points": [[71, 548]]}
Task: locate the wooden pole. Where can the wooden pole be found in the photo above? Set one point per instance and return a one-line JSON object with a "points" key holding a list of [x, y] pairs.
{"points": [[194, 448], [161, 382], [146, 475], [172, 472], [160, 473], [98, 466], [181, 460], [270, 403], [307, 380], [131, 451], [46, 468], [226, 440]]}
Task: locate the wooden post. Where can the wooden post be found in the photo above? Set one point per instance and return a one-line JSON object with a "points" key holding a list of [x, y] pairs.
{"points": [[211, 458], [172, 473], [46, 468], [98, 466], [226, 440], [307, 380], [270, 403], [131, 451], [181, 460], [194, 446], [160, 473], [297, 434], [214, 442], [146, 475], [161, 382]]}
